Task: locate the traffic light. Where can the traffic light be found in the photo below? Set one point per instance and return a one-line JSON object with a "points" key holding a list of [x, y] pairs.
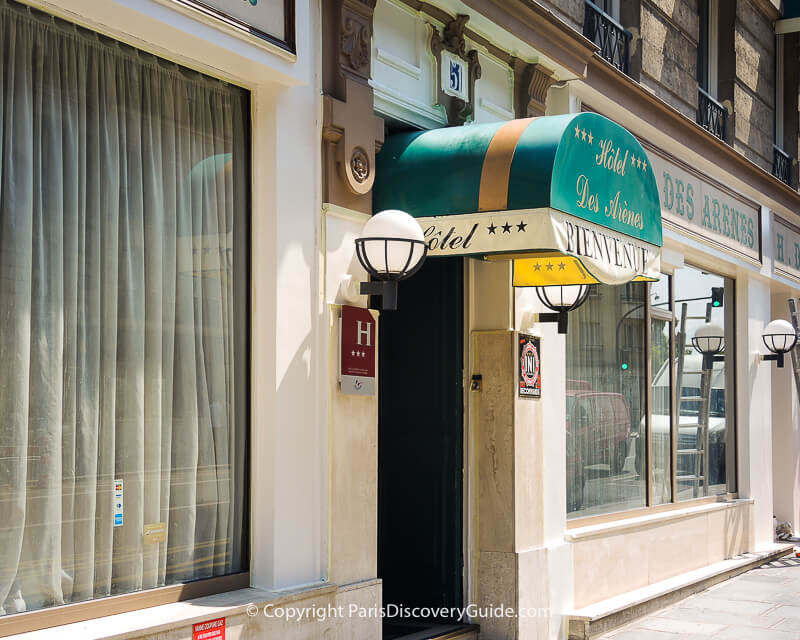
{"points": [[624, 366], [717, 296]]}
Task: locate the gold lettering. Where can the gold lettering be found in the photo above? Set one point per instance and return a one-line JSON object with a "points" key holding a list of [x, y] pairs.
{"points": [[586, 200]]}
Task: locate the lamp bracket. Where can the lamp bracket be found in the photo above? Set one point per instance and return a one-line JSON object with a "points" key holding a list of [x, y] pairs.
{"points": [[710, 358], [384, 290], [774, 357], [558, 316]]}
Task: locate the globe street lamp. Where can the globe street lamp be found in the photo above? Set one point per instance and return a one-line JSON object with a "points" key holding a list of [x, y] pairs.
{"points": [[780, 338], [709, 340], [561, 299], [391, 248]]}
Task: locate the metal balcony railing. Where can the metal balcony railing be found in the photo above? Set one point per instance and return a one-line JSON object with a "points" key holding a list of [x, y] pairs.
{"points": [[781, 165], [608, 34], [711, 115]]}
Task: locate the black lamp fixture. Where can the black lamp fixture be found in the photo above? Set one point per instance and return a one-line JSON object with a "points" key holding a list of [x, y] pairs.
{"points": [[780, 338], [391, 248], [709, 340], [561, 298]]}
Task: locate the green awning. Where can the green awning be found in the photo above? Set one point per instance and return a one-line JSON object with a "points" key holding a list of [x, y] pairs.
{"points": [[576, 185]]}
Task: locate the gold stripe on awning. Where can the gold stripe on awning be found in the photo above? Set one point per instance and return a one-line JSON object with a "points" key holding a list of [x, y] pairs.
{"points": [[493, 194]]}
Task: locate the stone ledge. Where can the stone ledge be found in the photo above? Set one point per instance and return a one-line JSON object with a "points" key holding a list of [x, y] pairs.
{"points": [[641, 522], [607, 615], [154, 620]]}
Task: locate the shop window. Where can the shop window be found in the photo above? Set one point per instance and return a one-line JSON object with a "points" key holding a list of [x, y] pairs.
{"points": [[124, 296], [703, 397], [662, 367], [606, 403], [625, 450]]}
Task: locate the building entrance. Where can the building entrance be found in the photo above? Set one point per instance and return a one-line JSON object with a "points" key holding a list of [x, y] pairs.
{"points": [[420, 446]]}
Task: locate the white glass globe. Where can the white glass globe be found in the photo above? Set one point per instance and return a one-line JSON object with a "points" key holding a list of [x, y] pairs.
{"points": [[385, 243], [710, 338], [779, 336]]}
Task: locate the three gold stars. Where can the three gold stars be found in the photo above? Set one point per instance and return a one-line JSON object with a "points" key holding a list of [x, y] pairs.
{"points": [[639, 163], [582, 134]]}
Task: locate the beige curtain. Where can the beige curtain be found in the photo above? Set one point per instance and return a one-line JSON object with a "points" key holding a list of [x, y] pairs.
{"points": [[121, 177]]}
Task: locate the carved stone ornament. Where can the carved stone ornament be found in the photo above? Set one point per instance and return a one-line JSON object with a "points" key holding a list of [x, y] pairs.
{"points": [[359, 164], [453, 36], [452, 39], [351, 128], [532, 88], [356, 42]]}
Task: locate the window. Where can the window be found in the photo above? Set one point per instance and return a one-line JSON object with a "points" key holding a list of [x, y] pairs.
{"points": [[124, 296], [601, 26], [646, 424], [711, 114], [705, 455], [606, 404], [611, 7], [707, 46], [779, 86], [662, 330], [781, 160]]}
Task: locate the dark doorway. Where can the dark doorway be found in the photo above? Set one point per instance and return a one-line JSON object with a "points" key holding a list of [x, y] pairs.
{"points": [[420, 441]]}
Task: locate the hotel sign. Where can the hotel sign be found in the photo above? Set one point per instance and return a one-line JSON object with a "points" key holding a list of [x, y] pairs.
{"points": [[358, 335], [600, 174], [698, 207], [567, 249], [786, 247], [272, 20]]}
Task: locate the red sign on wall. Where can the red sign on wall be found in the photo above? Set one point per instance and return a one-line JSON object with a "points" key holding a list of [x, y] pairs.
{"points": [[209, 630], [357, 337]]}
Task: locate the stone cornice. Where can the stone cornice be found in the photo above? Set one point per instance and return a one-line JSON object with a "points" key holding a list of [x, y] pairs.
{"points": [[530, 22], [631, 96]]}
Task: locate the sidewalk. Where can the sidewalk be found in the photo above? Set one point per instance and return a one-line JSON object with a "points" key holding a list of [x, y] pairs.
{"points": [[761, 604]]}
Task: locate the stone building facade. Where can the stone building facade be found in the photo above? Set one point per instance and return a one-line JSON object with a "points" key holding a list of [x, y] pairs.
{"points": [[695, 82], [491, 515]]}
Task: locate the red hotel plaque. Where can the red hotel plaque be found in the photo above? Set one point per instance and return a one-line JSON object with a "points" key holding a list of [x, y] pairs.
{"points": [[357, 337]]}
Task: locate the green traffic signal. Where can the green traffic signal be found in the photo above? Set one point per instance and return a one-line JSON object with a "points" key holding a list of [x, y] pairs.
{"points": [[624, 366]]}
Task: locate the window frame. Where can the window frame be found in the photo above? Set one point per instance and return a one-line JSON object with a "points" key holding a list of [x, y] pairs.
{"points": [[667, 316], [53, 616], [15, 623], [779, 89], [731, 448], [708, 48]]}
